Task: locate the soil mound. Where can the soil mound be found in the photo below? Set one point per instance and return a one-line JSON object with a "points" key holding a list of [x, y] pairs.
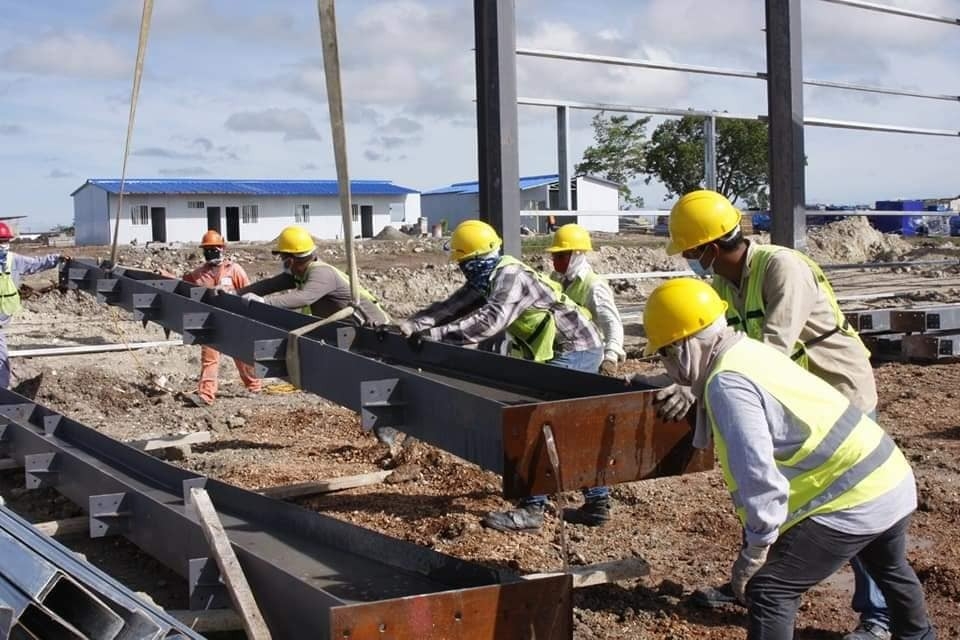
{"points": [[853, 240]]}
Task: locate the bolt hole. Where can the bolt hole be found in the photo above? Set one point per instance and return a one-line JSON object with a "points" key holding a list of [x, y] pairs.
{"points": [[383, 627], [458, 616]]}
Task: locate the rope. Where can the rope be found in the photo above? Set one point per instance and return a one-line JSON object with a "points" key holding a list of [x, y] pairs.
{"points": [[134, 93]]}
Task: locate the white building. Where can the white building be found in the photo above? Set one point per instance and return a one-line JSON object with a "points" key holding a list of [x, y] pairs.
{"points": [[596, 198], [181, 210]]}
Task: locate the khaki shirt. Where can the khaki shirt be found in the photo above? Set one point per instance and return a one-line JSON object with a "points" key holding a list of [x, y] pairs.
{"points": [[797, 309]]}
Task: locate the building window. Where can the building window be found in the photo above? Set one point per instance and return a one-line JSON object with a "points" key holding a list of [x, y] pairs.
{"points": [[250, 213], [301, 213], [139, 214], [195, 204], [355, 210]]}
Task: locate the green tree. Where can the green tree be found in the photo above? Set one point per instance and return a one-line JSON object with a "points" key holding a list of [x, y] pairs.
{"points": [[675, 158], [618, 153]]}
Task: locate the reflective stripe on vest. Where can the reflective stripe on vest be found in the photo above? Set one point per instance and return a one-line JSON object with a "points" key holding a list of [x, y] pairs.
{"points": [[845, 460], [755, 307], [535, 330], [9, 292]]}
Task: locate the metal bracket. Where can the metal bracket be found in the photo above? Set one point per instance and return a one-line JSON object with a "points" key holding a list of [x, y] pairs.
{"points": [[145, 306], [192, 483], [346, 336], [4, 441], [197, 327], [74, 276], [381, 404], [110, 514], [197, 293], [50, 424], [207, 590], [270, 357], [41, 470], [107, 290], [18, 412]]}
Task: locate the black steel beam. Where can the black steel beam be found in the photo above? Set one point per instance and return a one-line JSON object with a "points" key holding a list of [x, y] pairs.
{"points": [[785, 117], [300, 564], [498, 163]]}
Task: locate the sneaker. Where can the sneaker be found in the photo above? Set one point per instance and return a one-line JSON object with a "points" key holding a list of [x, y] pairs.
{"points": [[868, 631], [386, 435], [713, 597], [195, 400], [592, 513], [527, 518]]}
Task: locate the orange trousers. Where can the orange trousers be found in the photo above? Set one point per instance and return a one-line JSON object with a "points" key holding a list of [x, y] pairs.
{"points": [[209, 374]]}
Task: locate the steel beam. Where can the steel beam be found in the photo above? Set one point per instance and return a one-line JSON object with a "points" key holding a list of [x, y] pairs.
{"points": [[930, 348], [710, 152], [300, 564], [931, 319], [454, 398], [563, 158], [785, 115], [497, 129]]}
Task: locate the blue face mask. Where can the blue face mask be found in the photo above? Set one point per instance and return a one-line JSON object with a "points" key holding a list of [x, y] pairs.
{"points": [[698, 268], [478, 271]]}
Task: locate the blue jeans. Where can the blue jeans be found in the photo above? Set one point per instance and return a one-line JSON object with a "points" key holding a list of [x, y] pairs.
{"points": [[5, 363], [868, 600], [588, 361]]}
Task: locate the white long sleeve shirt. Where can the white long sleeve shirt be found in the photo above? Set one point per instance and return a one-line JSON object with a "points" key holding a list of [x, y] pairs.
{"points": [[602, 306]]}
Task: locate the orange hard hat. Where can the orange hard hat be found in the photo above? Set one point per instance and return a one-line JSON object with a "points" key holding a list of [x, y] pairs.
{"points": [[212, 239], [5, 232]]}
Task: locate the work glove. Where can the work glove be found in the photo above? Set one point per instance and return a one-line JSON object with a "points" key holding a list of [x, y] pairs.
{"points": [[608, 368], [415, 340], [750, 560], [64, 258], [673, 402], [252, 297], [407, 328]]}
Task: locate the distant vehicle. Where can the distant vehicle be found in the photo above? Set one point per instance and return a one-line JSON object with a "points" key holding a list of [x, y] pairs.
{"points": [[955, 225], [761, 222], [661, 228]]}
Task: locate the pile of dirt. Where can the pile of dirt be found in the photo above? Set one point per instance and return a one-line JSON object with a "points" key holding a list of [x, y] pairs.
{"points": [[853, 240], [390, 233]]}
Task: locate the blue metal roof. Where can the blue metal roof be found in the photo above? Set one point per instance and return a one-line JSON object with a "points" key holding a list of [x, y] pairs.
{"points": [[528, 182], [248, 187]]}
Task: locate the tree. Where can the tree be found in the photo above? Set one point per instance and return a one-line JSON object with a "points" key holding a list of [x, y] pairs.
{"points": [[618, 153], [675, 158]]}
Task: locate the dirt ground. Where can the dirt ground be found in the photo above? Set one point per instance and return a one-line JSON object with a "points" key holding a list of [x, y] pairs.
{"points": [[684, 526]]}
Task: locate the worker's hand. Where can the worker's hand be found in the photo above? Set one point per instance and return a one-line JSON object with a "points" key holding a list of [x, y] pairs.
{"points": [[415, 340], [750, 560], [608, 368], [673, 402], [107, 265], [252, 297], [64, 258], [407, 328]]}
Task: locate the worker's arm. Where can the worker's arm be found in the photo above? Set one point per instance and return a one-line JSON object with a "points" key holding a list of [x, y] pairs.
{"points": [[511, 292], [27, 265], [790, 293], [737, 405], [240, 277], [462, 301], [607, 318], [273, 284], [320, 283]]}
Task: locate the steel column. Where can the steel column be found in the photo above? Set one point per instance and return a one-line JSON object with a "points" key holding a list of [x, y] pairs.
{"points": [[710, 152], [785, 115], [563, 159], [498, 156]]}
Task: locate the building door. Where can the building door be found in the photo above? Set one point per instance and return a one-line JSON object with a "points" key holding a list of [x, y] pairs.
{"points": [[158, 218], [366, 221], [213, 218], [233, 223]]}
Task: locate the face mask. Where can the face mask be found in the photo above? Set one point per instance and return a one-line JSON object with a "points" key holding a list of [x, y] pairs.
{"points": [[4, 246], [478, 271], [561, 261], [697, 267], [213, 255]]}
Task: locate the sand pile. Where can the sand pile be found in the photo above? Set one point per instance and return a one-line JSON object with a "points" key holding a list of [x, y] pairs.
{"points": [[853, 240]]}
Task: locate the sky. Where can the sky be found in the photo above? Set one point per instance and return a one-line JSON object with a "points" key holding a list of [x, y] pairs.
{"points": [[235, 89]]}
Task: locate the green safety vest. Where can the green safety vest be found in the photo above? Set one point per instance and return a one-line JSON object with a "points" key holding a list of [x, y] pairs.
{"points": [[846, 458], [9, 292], [535, 330], [364, 293], [752, 324]]}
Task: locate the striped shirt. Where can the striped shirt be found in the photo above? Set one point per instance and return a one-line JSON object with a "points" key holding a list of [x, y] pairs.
{"points": [[469, 317]]}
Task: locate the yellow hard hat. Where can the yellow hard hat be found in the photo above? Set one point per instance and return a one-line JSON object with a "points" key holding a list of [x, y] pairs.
{"points": [[678, 309], [700, 217], [472, 238], [571, 237], [296, 241]]}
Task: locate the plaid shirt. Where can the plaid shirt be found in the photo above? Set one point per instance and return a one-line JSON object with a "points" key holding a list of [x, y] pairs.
{"points": [[469, 317]]}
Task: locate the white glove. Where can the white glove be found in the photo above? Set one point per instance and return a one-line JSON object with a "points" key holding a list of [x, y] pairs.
{"points": [[750, 560], [673, 402], [407, 328], [252, 296]]}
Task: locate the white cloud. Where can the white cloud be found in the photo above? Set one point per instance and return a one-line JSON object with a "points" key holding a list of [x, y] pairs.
{"points": [[294, 124], [60, 173], [184, 172], [68, 54]]}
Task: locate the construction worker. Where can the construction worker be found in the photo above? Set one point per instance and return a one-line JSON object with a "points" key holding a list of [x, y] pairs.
{"points": [[218, 272], [581, 284], [814, 480], [781, 297], [13, 268], [310, 285], [503, 294]]}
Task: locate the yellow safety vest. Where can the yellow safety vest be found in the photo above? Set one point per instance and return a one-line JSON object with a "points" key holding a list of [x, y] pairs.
{"points": [[364, 293], [846, 460], [9, 292], [535, 330], [755, 308]]}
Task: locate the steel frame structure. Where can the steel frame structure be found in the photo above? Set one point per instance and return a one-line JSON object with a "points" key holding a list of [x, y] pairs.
{"points": [[481, 406], [313, 576]]}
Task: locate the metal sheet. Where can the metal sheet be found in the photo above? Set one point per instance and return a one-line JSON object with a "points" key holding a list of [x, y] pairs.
{"points": [[529, 609], [942, 318], [601, 441], [929, 348]]}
